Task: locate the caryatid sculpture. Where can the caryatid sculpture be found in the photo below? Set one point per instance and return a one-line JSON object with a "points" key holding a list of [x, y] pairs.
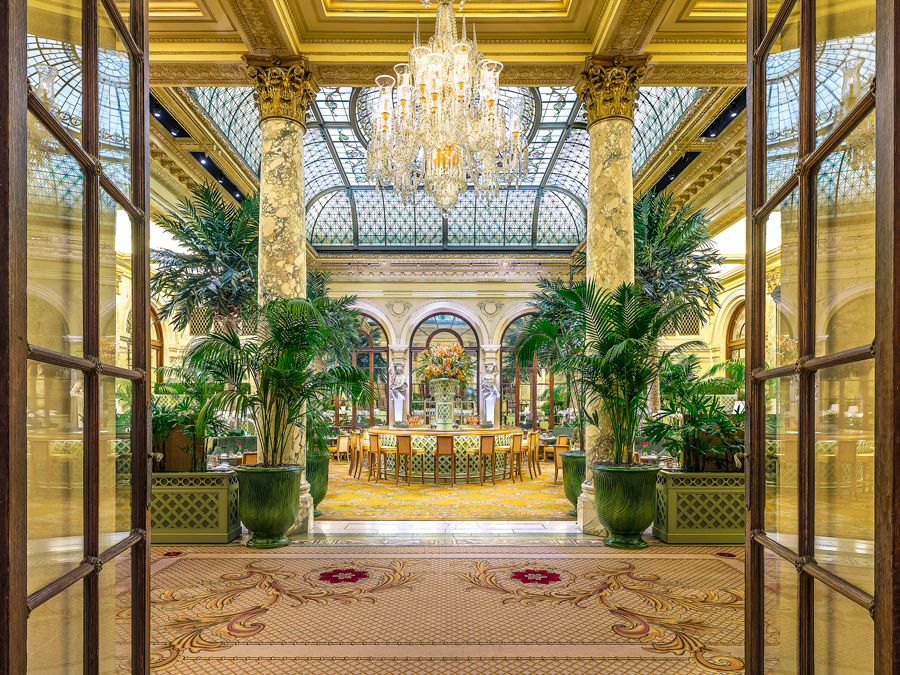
{"points": [[489, 391], [398, 390]]}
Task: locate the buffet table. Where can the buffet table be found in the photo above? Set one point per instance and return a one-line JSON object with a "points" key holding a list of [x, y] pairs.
{"points": [[428, 439]]}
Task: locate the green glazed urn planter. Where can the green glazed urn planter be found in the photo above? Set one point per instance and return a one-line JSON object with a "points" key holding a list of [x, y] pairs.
{"points": [[317, 477], [624, 497], [269, 503], [444, 391], [573, 466]]}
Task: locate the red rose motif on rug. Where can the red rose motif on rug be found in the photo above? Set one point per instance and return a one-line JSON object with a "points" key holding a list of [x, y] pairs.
{"points": [[535, 576], [172, 554], [347, 576]]}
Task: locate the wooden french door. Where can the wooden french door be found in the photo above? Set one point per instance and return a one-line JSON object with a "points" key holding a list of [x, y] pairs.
{"points": [[823, 325], [74, 386]]}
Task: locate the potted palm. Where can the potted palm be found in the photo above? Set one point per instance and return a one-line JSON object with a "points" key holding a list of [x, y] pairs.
{"points": [[272, 378], [614, 363], [444, 367]]}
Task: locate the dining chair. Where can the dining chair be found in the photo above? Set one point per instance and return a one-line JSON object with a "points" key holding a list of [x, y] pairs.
{"points": [[532, 444], [355, 451], [485, 449], [515, 458], [342, 447], [562, 445], [374, 454], [506, 452]]}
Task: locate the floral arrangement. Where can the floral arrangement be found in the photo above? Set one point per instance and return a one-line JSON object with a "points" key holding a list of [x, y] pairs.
{"points": [[446, 361]]}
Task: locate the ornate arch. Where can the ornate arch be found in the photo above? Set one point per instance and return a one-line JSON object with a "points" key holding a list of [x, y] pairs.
{"points": [[433, 307]]}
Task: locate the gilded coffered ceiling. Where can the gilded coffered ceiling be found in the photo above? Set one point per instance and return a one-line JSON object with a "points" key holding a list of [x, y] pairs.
{"points": [[541, 42]]}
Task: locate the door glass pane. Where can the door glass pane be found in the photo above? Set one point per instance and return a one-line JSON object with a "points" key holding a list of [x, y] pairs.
{"points": [[115, 104], [115, 283], [782, 69], [115, 617], [54, 59], [115, 460], [782, 238], [55, 200], [844, 635], [845, 250], [845, 472], [380, 375], [782, 459], [55, 403], [55, 634], [779, 615], [845, 59]]}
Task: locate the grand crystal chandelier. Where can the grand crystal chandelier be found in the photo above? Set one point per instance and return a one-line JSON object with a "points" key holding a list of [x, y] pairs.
{"points": [[440, 124]]}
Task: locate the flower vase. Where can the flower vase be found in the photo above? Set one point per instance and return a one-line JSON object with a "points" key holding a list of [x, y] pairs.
{"points": [[444, 391]]}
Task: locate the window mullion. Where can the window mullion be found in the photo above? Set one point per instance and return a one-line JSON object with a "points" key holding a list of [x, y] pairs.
{"points": [[91, 305]]}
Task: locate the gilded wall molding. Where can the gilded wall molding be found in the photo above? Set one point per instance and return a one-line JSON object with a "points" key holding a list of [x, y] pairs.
{"points": [[609, 88], [284, 87], [165, 74], [634, 26], [695, 74]]}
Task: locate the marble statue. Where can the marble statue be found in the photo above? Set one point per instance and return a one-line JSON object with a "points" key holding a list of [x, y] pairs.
{"points": [[398, 390], [489, 391]]}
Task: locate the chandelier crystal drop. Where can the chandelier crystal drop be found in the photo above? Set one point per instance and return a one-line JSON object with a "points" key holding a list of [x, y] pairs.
{"points": [[440, 124]]}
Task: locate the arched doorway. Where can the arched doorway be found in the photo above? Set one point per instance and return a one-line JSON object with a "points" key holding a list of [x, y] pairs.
{"points": [[443, 328], [530, 397], [735, 338], [371, 353]]}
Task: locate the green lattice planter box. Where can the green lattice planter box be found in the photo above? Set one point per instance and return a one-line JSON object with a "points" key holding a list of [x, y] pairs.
{"points": [[699, 508], [195, 508]]}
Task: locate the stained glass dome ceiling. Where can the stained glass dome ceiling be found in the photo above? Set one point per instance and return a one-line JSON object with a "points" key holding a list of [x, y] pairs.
{"points": [[345, 211]]}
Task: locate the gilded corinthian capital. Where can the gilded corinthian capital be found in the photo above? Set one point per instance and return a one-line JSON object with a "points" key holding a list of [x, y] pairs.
{"points": [[609, 87], [284, 86]]}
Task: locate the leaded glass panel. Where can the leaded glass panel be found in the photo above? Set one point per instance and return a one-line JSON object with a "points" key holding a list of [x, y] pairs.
{"points": [[461, 221], [400, 220], [329, 220], [540, 152], [557, 104], [519, 216], [573, 164], [234, 112], [657, 112], [369, 216], [429, 221], [489, 222], [333, 104], [351, 154], [561, 221], [319, 170]]}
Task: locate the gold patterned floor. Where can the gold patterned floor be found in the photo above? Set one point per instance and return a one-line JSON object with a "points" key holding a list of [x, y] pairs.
{"points": [[510, 605], [352, 499]]}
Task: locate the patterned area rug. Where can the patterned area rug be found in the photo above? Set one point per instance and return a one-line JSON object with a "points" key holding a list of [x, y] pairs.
{"points": [[352, 499], [360, 608]]}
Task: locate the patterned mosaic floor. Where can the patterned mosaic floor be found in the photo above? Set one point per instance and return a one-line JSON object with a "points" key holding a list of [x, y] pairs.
{"points": [[359, 606], [352, 499]]}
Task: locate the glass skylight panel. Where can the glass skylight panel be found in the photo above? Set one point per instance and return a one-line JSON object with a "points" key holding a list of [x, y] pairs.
{"points": [[557, 104], [489, 219], [573, 164], [334, 104], [845, 68], [519, 216], [351, 154], [400, 220], [540, 152], [461, 221], [319, 170], [234, 111], [429, 221], [657, 111], [54, 72], [561, 221], [369, 216], [330, 220]]}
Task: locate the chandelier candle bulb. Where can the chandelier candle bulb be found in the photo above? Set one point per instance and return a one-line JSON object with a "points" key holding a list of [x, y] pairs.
{"points": [[456, 132]]}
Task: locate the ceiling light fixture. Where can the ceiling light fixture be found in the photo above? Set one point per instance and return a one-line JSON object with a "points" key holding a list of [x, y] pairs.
{"points": [[714, 130], [156, 111], [440, 123], [732, 110], [174, 131]]}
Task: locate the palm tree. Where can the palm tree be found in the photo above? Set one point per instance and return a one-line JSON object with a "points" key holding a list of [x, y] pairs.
{"points": [[272, 376], [613, 341], [337, 313], [675, 261], [217, 273]]}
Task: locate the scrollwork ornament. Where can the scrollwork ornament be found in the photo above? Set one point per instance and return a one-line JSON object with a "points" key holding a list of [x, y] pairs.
{"points": [[282, 87], [610, 89]]}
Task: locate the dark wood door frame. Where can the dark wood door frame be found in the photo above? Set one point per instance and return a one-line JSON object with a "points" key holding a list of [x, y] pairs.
{"points": [[16, 100]]}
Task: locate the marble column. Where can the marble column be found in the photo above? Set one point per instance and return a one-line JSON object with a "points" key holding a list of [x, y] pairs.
{"points": [[285, 89], [608, 89]]}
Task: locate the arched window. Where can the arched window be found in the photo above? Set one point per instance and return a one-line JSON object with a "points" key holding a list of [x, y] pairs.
{"points": [[736, 337], [443, 329], [526, 388], [156, 342], [371, 354]]}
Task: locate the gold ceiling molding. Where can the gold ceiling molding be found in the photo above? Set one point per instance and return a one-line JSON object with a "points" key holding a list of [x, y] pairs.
{"points": [[609, 87], [636, 22], [284, 87], [261, 29], [716, 175], [163, 74], [727, 218], [513, 74], [698, 40], [695, 75]]}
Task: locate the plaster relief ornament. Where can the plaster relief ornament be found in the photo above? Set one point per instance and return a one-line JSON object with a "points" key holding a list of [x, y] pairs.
{"points": [[398, 390]]}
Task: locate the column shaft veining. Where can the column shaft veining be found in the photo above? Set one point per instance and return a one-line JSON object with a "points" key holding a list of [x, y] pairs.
{"points": [[608, 90], [284, 92]]}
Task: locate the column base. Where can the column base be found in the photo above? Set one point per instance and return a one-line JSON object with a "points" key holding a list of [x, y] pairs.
{"points": [[305, 518], [587, 514]]}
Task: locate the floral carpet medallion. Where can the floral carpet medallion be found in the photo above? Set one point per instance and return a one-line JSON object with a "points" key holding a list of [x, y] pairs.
{"points": [[358, 608], [657, 623]]}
